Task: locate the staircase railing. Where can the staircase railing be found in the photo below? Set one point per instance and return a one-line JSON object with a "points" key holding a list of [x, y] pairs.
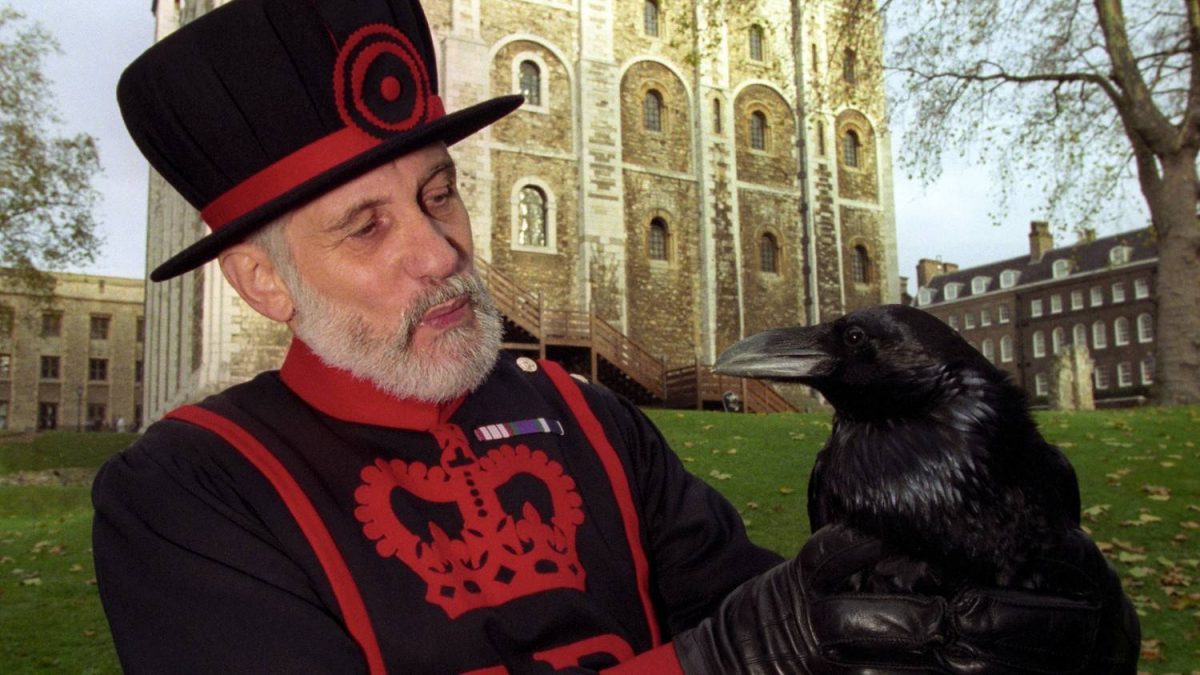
{"points": [[684, 386]]}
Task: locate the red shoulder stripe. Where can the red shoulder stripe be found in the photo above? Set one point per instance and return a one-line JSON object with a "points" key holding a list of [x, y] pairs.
{"points": [[616, 476], [344, 589]]}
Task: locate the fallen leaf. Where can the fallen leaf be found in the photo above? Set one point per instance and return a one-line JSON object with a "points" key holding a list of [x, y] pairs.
{"points": [[32, 581], [1152, 650], [1127, 557], [786, 490], [1190, 525], [1095, 511], [1141, 572], [720, 475]]}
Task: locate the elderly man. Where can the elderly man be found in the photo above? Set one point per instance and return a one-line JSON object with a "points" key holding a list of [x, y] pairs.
{"points": [[398, 497]]}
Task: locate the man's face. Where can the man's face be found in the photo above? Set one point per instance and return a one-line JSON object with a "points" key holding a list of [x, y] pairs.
{"points": [[384, 284]]}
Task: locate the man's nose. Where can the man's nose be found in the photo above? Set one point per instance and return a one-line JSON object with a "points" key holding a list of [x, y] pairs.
{"points": [[431, 250]]}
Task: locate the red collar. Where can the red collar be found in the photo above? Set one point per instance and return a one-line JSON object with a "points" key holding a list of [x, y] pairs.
{"points": [[339, 394]]}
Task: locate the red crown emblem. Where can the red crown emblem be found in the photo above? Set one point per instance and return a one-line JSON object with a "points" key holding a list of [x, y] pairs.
{"points": [[501, 556]]}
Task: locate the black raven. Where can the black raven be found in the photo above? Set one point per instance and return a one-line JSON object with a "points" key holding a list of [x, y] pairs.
{"points": [[933, 448]]}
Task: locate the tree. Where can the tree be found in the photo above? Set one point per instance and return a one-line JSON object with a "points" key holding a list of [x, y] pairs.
{"points": [[46, 197], [1076, 99]]}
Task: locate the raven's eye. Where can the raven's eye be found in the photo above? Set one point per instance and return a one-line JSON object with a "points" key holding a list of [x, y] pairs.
{"points": [[855, 336]]}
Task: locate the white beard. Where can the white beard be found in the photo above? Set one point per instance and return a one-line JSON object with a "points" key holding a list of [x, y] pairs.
{"points": [[454, 363]]}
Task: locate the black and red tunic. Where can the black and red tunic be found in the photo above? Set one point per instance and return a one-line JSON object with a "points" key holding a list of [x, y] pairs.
{"points": [[306, 522]]}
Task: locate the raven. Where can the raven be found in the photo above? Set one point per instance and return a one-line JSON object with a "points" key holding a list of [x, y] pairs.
{"points": [[933, 449]]}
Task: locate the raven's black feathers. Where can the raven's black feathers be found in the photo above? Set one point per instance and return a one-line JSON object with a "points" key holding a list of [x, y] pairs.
{"points": [[933, 448]]}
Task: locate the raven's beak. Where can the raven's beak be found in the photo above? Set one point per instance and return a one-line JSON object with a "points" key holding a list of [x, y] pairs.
{"points": [[796, 353]]}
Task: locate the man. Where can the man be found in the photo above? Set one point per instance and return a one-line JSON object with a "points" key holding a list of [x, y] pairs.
{"points": [[398, 498]]}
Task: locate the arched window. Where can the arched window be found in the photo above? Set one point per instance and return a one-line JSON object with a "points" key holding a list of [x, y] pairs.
{"points": [[860, 265], [849, 67], [1058, 339], [1145, 328], [756, 43], [531, 82], [850, 146], [1061, 268], [989, 349], [652, 111], [758, 130], [1099, 335], [1079, 334], [650, 18], [1039, 344], [531, 230], [657, 240], [768, 254], [1006, 349], [1121, 331]]}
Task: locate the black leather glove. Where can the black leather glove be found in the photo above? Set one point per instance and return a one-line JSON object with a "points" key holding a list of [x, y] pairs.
{"points": [[847, 604]]}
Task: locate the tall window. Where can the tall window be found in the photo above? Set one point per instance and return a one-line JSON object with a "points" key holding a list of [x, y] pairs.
{"points": [[140, 328], [1121, 331], [47, 416], [650, 18], [98, 328], [1118, 292], [756, 43], [531, 212], [1145, 328], [97, 370], [1006, 349], [716, 116], [1148, 370], [1101, 375], [820, 138], [989, 349], [5, 366], [1041, 385], [768, 254], [1099, 335], [860, 265], [1056, 304], [1141, 288], [1039, 344], [1079, 335], [758, 130], [6, 320], [1097, 294], [531, 82], [1076, 300], [1058, 339], [50, 367], [3, 414], [849, 72], [51, 324], [656, 244], [1002, 314], [850, 148], [652, 111], [1124, 374]]}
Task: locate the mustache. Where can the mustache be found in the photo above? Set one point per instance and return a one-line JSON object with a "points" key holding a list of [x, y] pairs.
{"points": [[452, 288]]}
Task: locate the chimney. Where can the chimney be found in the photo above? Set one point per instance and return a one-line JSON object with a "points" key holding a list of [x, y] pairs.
{"points": [[928, 269], [1040, 240]]}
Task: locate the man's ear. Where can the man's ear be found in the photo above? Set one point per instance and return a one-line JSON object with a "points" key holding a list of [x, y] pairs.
{"points": [[253, 275]]}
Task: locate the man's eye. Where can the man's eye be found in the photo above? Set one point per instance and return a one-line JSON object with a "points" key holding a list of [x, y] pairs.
{"points": [[439, 198], [366, 230]]}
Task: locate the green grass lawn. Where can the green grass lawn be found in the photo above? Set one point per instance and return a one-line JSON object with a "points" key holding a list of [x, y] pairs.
{"points": [[1138, 473]]}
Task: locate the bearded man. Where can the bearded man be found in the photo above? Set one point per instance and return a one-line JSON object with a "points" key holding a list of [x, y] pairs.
{"points": [[399, 496]]}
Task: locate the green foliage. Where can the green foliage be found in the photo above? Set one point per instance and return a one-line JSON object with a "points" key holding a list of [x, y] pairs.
{"points": [[1137, 473], [46, 197]]}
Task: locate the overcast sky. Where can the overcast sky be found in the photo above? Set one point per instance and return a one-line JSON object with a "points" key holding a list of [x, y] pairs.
{"points": [[947, 220]]}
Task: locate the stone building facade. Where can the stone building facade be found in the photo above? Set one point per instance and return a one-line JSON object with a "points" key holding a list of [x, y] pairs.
{"points": [[73, 360], [692, 171], [1023, 313]]}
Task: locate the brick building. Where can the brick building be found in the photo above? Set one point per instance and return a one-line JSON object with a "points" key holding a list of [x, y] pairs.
{"points": [[73, 360], [687, 186], [1022, 312]]}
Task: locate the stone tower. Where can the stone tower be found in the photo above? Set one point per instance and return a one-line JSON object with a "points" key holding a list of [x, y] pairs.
{"points": [[691, 170]]}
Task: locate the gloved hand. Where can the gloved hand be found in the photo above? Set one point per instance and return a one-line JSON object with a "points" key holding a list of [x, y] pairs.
{"points": [[847, 604]]}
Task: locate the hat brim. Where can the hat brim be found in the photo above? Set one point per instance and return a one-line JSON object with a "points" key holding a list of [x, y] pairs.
{"points": [[449, 130]]}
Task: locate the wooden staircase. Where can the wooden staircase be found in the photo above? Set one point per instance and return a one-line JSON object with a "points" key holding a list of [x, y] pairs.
{"points": [[586, 344]]}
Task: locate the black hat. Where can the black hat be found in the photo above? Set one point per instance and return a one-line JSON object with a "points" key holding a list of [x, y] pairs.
{"points": [[261, 105]]}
